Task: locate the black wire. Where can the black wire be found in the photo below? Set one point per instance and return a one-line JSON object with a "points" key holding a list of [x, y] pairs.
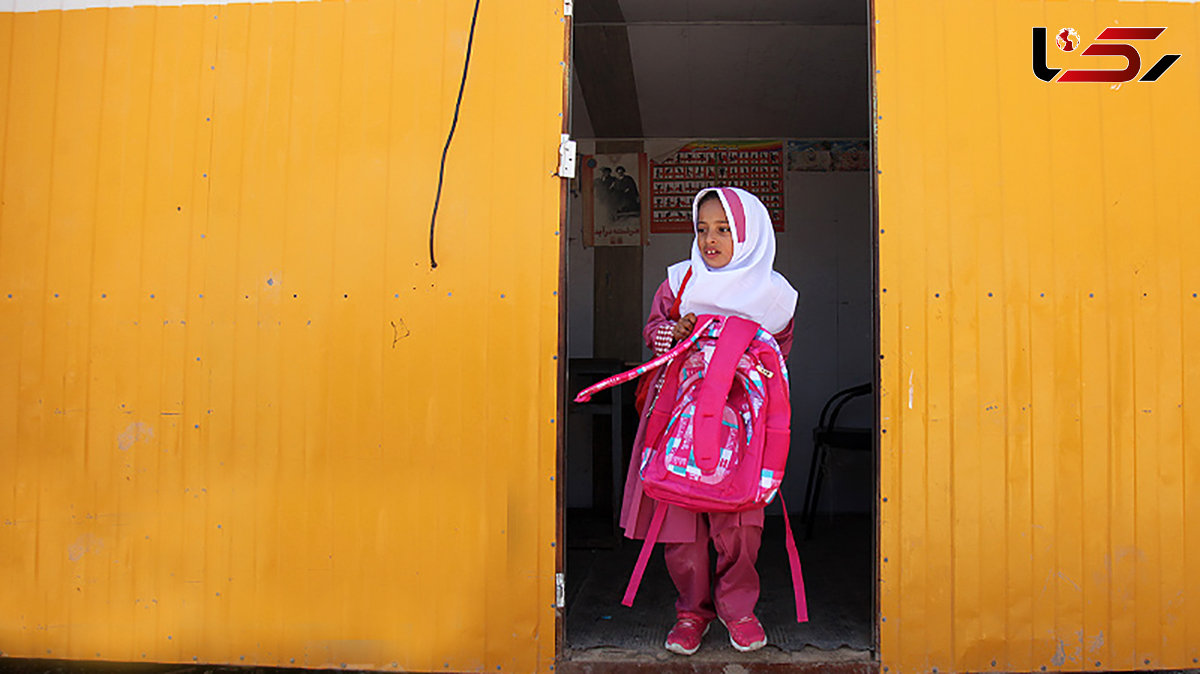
{"points": [[457, 104]]}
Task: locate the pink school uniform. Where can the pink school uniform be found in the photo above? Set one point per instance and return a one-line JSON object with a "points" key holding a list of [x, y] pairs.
{"points": [[747, 286]]}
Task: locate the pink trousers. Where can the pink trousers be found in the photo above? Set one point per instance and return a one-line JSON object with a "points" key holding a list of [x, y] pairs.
{"points": [[736, 586]]}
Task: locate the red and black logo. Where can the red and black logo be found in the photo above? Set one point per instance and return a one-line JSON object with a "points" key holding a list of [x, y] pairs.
{"points": [[1067, 40]]}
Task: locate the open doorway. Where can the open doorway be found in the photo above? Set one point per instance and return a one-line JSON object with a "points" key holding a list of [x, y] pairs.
{"points": [[652, 77]]}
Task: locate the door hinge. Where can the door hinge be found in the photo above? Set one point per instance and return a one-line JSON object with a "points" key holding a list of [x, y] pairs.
{"points": [[560, 590], [566, 157], [568, 8]]}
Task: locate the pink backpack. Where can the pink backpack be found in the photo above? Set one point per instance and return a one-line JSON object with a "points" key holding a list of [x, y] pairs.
{"points": [[718, 432]]}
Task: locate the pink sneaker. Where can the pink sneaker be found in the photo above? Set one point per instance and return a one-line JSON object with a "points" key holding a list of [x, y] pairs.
{"points": [[746, 634], [686, 635]]}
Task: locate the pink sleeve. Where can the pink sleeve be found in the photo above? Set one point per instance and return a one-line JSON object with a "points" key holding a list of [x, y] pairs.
{"points": [[659, 308], [784, 338]]}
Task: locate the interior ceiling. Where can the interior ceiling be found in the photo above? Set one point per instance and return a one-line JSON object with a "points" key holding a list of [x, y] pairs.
{"points": [[720, 69], [812, 12]]}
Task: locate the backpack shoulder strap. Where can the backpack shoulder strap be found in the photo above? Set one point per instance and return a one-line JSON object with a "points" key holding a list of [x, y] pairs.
{"points": [[794, 565], [629, 375], [674, 312], [775, 451], [660, 514], [736, 335]]}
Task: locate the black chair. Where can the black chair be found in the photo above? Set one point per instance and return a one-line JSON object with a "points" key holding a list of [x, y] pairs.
{"points": [[826, 436]]}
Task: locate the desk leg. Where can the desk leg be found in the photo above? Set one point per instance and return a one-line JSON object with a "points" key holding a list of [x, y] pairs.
{"points": [[618, 478]]}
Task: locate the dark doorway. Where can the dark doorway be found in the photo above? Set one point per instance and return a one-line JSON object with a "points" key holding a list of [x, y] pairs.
{"points": [[648, 77]]}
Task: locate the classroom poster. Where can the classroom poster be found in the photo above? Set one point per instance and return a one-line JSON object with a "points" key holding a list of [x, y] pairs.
{"points": [[828, 155], [755, 166]]}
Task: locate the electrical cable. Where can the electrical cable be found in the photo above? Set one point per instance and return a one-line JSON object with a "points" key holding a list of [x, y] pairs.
{"points": [[457, 104]]}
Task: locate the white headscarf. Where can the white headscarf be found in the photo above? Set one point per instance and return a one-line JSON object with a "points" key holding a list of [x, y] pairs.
{"points": [[748, 286]]}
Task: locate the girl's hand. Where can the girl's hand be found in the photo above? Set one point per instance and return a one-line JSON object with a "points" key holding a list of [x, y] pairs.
{"points": [[684, 327]]}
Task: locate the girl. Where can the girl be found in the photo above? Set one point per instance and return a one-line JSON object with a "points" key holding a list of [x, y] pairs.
{"points": [[729, 273]]}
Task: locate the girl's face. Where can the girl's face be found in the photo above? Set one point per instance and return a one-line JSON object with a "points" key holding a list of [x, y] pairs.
{"points": [[713, 235]]}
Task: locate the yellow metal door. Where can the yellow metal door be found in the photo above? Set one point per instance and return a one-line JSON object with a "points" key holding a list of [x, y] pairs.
{"points": [[1040, 418], [242, 418]]}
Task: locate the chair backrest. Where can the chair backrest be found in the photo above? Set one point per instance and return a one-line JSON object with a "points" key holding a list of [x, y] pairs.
{"points": [[829, 413]]}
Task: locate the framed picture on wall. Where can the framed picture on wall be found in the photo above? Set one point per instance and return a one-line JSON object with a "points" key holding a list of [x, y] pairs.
{"points": [[614, 205]]}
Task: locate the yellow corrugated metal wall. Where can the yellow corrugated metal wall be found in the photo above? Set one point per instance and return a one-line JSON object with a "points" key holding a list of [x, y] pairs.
{"points": [[1039, 268], [241, 420]]}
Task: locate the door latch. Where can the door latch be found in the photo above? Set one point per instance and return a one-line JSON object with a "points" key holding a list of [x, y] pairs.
{"points": [[566, 157]]}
